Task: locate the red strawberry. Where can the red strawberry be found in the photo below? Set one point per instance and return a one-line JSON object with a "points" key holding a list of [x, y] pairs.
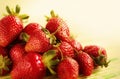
{"points": [[10, 26], [68, 68], [17, 52], [65, 49], [37, 40], [33, 65], [57, 26], [86, 63], [5, 62], [31, 27], [76, 45], [30, 67], [98, 54]]}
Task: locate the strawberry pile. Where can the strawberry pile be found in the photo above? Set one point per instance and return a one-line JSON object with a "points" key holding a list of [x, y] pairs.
{"points": [[34, 51]]}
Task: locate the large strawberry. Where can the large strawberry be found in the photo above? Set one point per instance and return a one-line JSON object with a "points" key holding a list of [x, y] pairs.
{"points": [[86, 63], [98, 54], [5, 62], [68, 68], [36, 39], [10, 26], [30, 67], [58, 27]]}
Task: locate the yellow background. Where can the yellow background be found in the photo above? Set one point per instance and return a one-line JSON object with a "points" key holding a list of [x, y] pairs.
{"points": [[91, 21]]}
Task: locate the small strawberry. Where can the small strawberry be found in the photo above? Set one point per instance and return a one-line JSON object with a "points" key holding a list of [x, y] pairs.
{"points": [[76, 45], [58, 27], [16, 53], [5, 62], [68, 68], [31, 27], [36, 39], [30, 67], [65, 49], [86, 63], [98, 54], [10, 26]]}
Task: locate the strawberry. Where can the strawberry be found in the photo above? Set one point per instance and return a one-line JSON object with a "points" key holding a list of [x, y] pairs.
{"points": [[58, 27], [65, 49], [16, 53], [10, 26], [86, 63], [30, 27], [5, 62], [76, 45], [98, 54], [36, 40], [33, 65], [30, 67], [68, 68]]}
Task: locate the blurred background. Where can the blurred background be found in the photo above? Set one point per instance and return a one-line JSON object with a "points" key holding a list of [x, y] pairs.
{"points": [[90, 21]]}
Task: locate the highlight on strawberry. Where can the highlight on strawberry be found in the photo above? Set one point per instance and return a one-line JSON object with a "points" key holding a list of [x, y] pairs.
{"points": [[38, 52]]}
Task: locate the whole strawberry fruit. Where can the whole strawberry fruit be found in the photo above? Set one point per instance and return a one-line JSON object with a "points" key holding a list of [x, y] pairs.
{"points": [[68, 68], [36, 39], [65, 49], [58, 27], [86, 63], [76, 45], [30, 67], [98, 54], [5, 62], [10, 26]]}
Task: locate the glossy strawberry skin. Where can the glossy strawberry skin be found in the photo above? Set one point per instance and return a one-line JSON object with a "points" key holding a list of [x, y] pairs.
{"points": [[66, 49], [86, 63], [3, 53], [30, 67], [16, 53], [68, 69], [10, 28], [59, 27]]}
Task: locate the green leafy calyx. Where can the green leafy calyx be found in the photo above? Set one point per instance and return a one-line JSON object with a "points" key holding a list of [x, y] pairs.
{"points": [[16, 12], [49, 61]]}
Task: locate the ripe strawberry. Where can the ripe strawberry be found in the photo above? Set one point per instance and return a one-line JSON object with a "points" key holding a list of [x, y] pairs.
{"points": [[5, 62], [65, 49], [36, 40], [31, 27], [68, 68], [58, 27], [30, 67], [10, 26], [33, 65], [98, 54], [76, 45], [16, 53], [86, 63]]}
